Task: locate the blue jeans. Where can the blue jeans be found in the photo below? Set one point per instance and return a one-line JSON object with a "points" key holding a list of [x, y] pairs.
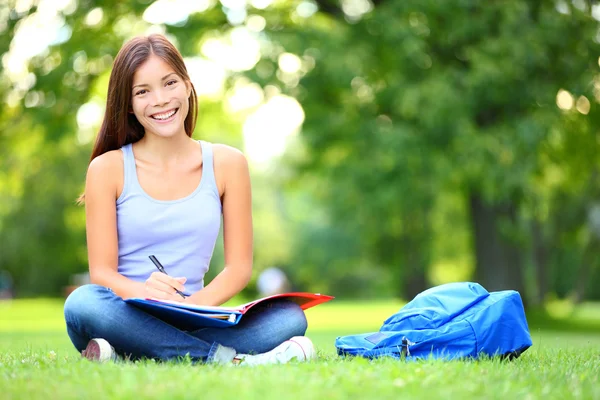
{"points": [[94, 311]]}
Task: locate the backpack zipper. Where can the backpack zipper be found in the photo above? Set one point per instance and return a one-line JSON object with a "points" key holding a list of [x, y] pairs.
{"points": [[405, 352]]}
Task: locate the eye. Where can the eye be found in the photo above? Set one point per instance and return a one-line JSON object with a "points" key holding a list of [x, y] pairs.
{"points": [[171, 82], [140, 92]]}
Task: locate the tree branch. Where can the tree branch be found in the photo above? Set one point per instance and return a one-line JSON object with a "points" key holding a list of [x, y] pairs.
{"points": [[330, 7]]}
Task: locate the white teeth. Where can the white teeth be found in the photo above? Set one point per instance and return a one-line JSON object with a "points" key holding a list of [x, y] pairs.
{"points": [[165, 115]]}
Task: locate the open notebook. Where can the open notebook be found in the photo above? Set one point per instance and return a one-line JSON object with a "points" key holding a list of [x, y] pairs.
{"points": [[191, 317]]}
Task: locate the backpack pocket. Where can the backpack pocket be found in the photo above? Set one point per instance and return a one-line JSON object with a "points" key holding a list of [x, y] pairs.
{"points": [[501, 326], [453, 341], [436, 306]]}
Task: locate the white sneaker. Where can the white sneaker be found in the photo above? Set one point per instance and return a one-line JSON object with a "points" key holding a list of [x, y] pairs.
{"points": [[99, 350], [299, 348]]}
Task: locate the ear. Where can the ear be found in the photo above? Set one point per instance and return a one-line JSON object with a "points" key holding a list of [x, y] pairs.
{"points": [[188, 88]]}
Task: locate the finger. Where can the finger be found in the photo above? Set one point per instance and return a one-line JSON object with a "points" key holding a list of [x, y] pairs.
{"points": [[172, 282], [159, 279], [159, 276], [161, 286], [180, 284], [156, 283], [177, 283], [155, 294]]}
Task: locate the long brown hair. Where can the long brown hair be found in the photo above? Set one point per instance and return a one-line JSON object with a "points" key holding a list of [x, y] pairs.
{"points": [[120, 127]]}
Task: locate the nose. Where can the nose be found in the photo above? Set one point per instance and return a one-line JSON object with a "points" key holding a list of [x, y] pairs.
{"points": [[159, 98]]}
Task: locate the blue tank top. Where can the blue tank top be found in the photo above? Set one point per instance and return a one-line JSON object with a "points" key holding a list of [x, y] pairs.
{"points": [[180, 233]]}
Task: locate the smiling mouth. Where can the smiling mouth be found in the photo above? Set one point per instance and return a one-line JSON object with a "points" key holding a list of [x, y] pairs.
{"points": [[165, 115]]}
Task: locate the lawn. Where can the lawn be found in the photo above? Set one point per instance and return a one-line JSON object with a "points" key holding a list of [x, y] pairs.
{"points": [[37, 361]]}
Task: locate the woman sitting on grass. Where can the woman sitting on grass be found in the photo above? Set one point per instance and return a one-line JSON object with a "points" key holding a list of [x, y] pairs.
{"points": [[152, 190]]}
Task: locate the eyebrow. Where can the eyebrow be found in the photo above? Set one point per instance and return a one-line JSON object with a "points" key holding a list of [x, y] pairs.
{"points": [[162, 79]]}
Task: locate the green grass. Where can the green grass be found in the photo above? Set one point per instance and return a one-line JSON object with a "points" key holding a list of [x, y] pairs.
{"points": [[37, 361]]}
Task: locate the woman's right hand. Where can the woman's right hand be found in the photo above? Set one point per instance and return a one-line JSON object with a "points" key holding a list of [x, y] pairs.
{"points": [[161, 286]]}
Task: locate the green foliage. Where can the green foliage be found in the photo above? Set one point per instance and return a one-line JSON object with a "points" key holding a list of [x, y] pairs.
{"points": [[441, 141], [44, 153], [420, 102]]}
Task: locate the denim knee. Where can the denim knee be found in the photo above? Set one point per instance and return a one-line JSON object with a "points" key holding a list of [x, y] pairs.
{"points": [[84, 303], [293, 317]]}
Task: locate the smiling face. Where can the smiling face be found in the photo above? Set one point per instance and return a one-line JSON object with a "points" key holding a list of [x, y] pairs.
{"points": [[159, 98]]}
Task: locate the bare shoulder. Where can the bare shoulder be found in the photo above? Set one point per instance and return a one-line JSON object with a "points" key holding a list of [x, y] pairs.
{"points": [[230, 166], [228, 161], [109, 162], [228, 156], [106, 170]]}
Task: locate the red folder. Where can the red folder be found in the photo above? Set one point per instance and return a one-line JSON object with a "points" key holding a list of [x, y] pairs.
{"points": [[304, 300], [191, 316]]}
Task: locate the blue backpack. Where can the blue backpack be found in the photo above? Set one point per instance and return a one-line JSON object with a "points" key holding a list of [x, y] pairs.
{"points": [[456, 320]]}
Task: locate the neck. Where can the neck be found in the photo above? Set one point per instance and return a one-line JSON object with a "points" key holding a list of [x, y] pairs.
{"points": [[165, 150]]}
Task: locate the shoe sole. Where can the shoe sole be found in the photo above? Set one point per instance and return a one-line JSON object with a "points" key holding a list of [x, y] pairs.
{"points": [[98, 350], [306, 345]]}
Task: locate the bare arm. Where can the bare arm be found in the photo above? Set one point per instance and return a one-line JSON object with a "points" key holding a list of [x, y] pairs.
{"points": [[101, 189], [237, 230], [101, 226]]}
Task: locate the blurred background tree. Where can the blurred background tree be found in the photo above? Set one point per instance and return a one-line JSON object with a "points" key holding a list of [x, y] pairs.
{"points": [[393, 145]]}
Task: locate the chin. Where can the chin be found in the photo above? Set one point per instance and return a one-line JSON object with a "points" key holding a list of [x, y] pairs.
{"points": [[167, 135], [165, 132]]}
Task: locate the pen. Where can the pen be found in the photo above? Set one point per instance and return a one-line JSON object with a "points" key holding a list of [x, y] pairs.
{"points": [[162, 269]]}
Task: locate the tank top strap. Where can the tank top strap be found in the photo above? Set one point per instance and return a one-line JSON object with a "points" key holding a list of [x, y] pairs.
{"points": [[208, 169], [128, 170]]}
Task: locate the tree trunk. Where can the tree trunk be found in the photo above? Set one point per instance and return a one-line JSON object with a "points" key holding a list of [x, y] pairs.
{"points": [[414, 277], [408, 255], [405, 255], [585, 271], [540, 261], [498, 261]]}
